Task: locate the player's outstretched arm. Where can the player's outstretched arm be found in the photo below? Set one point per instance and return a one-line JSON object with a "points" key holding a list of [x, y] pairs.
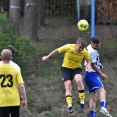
{"points": [[22, 92], [54, 52]]}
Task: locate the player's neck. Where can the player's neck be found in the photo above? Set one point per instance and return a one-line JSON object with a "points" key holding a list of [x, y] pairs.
{"points": [[5, 62]]}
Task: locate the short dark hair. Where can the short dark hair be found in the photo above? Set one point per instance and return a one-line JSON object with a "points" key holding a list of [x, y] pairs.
{"points": [[95, 39], [11, 48]]}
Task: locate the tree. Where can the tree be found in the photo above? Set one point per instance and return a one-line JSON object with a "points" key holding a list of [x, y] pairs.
{"points": [[14, 15], [30, 19], [41, 8], [87, 12]]}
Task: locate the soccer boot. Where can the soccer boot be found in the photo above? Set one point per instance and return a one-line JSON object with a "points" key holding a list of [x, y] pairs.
{"points": [[81, 109], [70, 109], [105, 112]]}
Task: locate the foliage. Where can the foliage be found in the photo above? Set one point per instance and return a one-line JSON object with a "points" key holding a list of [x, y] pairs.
{"points": [[108, 49], [23, 45]]}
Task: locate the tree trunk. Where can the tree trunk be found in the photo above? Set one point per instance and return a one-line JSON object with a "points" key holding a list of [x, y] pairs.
{"points": [[30, 20], [14, 15], [41, 8]]}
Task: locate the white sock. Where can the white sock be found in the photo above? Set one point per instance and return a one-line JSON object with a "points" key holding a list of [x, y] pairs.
{"points": [[69, 105], [82, 102]]}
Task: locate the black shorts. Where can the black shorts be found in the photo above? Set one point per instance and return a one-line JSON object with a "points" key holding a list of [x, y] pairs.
{"points": [[68, 74], [13, 110]]}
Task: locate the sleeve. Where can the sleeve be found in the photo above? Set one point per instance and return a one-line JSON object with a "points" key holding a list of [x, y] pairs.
{"points": [[63, 49], [93, 57], [19, 78]]}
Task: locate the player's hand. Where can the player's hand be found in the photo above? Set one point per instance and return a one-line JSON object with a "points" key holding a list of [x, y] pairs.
{"points": [[45, 58], [104, 77], [24, 104]]}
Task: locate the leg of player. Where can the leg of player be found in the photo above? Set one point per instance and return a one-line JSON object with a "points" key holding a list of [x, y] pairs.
{"points": [[92, 104], [102, 97], [81, 94], [68, 94]]}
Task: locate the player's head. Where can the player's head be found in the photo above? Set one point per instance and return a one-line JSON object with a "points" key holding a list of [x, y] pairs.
{"points": [[80, 44], [11, 48], [6, 54], [95, 42]]}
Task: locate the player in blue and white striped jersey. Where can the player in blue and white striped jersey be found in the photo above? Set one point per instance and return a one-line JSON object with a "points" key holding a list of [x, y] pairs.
{"points": [[93, 79]]}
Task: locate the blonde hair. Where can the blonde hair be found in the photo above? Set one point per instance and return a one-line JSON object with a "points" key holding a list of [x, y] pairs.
{"points": [[6, 54], [82, 42]]}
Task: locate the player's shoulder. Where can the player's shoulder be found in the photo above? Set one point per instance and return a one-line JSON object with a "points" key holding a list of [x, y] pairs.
{"points": [[14, 65], [90, 49], [70, 45], [85, 50]]}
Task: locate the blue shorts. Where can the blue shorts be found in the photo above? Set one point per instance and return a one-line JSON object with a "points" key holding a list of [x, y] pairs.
{"points": [[93, 81]]}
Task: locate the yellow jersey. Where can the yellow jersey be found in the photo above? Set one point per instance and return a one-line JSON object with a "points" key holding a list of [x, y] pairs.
{"points": [[10, 77], [72, 58]]}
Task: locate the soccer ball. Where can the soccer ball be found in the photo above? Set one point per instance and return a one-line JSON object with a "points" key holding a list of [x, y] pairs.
{"points": [[83, 25]]}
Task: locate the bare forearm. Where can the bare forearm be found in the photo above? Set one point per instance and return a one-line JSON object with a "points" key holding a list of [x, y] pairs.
{"points": [[22, 92], [89, 65], [97, 69], [23, 98], [53, 53], [103, 76]]}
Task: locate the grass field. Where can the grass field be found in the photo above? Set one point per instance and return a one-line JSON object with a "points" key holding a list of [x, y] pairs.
{"points": [[45, 89]]}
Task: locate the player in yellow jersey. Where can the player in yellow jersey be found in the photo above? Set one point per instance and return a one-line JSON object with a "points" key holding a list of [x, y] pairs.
{"points": [[12, 49], [74, 54], [11, 87]]}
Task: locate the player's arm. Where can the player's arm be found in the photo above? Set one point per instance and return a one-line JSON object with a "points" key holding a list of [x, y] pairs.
{"points": [[88, 60], [22, 92], [103, 76], [53, 53], [88, 65]]}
